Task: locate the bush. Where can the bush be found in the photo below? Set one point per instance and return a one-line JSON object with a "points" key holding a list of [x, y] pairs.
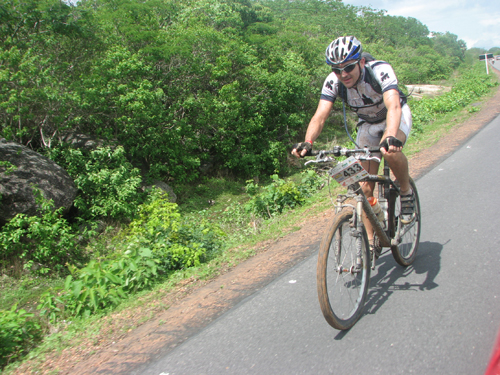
{"points": [[18, 334], [157, 242], [42, 243], [178, 243], [280, 194], [108, 185]]}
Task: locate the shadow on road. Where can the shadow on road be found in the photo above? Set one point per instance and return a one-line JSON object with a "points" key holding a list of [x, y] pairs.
{"points": [[389, 277]]}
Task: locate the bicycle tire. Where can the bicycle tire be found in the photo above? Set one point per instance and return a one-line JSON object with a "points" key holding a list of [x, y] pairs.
{"points": [[342, 295], [406, 252]]}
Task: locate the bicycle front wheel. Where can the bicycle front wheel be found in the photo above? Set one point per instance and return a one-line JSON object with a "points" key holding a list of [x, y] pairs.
{"points": [[343, 272], [406, 252]]}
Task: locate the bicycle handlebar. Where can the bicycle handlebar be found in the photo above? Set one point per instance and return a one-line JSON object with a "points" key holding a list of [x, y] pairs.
{"points": [[338, 151], [322, 156]]}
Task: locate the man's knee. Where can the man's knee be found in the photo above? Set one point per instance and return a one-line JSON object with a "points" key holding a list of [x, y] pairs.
{"points": [[368, 188]]}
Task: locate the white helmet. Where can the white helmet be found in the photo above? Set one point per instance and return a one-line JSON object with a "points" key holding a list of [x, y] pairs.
{"points": [[343, 49]]}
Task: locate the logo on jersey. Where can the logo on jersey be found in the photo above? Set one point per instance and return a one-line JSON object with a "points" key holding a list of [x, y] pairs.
{"points": [[383, 76]]}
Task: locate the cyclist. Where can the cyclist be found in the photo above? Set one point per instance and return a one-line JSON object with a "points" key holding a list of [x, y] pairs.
{"points": [[370, 88]]}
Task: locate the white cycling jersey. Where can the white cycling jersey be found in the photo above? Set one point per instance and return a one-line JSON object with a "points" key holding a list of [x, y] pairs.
{"points": [[364, 99]]}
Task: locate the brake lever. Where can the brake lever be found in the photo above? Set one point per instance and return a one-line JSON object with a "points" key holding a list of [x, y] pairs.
{"points": [[368, 158], [320, 159]]}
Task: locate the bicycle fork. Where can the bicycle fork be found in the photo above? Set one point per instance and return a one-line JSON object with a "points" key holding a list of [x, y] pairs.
{"points": [[357, 233]]}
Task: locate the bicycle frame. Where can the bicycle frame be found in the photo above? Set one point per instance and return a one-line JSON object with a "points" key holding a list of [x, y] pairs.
{"points": [[388, 191]]}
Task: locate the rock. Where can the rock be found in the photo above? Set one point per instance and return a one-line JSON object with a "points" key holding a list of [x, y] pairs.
{"points": [[419, 91], [164, 187], [31, 169], [82, 141]]}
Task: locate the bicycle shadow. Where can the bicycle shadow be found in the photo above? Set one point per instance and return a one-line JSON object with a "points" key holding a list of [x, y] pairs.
{"points": [[389, 277]]}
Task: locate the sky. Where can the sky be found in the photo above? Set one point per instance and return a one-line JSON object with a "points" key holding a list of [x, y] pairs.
{"points": [[476, 22]]}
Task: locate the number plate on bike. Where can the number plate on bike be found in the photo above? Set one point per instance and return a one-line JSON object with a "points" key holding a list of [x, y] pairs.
{"points": [[348, 171]]}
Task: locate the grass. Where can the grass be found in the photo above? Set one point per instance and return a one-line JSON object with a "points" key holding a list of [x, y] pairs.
{"points": [[25, 292], [220, 198]]}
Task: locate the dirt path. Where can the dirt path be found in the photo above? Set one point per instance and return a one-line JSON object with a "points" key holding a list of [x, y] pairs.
{"points": [[193, 306]]}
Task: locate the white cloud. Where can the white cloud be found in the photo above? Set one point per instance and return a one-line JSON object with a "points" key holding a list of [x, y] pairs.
{"points": [[490, 22], [474, 21]]}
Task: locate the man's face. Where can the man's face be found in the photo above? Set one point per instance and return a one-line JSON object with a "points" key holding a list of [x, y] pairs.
{"points": [[347, 76]]}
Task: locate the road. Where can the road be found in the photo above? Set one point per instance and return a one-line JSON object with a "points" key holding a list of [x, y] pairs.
{"points": [[439, 316]]}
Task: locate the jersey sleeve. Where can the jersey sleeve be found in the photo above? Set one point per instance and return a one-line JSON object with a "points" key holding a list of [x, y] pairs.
{"points": [[329, 89], [385, 75]]}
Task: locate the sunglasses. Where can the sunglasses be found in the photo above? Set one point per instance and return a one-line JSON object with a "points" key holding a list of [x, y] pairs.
{"points": [[348, 68]]}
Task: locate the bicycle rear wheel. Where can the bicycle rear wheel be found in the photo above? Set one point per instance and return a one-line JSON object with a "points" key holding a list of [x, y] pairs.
{"points": [[342, 274], [406, 252]]}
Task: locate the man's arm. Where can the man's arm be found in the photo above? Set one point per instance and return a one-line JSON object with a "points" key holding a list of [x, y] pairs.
{"points": [[316, 124], [393, 105]]}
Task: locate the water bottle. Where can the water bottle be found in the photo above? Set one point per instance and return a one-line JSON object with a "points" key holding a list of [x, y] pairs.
{"points": [[377, 210], [384, 205]]}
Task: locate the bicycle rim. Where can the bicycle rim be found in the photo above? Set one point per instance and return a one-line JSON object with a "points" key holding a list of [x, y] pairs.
{"points": [[342, 284], [406, 251]]}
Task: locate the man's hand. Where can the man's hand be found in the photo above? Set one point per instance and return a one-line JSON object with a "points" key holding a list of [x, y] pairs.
{"points": [[302, 149], [391, 144]]}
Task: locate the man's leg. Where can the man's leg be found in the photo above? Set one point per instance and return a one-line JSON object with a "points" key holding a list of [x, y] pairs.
{"points": [[368, 187], [399, 166], [369, 135]]}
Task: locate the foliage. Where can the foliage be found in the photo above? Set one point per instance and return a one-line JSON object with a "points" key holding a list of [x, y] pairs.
{"points": [[157, 242], [7, 166], [42, 243], [19, 332], [108, 185], [182, 84], [177, 242], [449, 46], [473, 84], [280, 194], [46, 46]]}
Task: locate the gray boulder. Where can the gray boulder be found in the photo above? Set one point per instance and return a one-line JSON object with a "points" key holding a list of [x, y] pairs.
{"points": [[172, 197], [31, 169], [83, 141]]}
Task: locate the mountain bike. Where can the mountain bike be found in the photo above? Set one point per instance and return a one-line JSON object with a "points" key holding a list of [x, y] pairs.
{"points": [[345, 256]]}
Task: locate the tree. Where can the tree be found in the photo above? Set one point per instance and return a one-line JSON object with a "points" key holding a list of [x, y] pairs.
{"points": [[448, 44]]}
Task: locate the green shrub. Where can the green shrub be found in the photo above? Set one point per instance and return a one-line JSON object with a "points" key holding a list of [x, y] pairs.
{"points": [[108, 185], [102, 284], [157, 242], [42, 243], [180, 243], [280, 194], [19, 332]]}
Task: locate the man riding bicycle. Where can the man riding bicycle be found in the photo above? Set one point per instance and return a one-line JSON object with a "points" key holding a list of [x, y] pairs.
{"points": [[370, 88]]}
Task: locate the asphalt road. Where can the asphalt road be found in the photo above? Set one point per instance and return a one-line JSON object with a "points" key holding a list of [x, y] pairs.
{"points": [[439, 316]]}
